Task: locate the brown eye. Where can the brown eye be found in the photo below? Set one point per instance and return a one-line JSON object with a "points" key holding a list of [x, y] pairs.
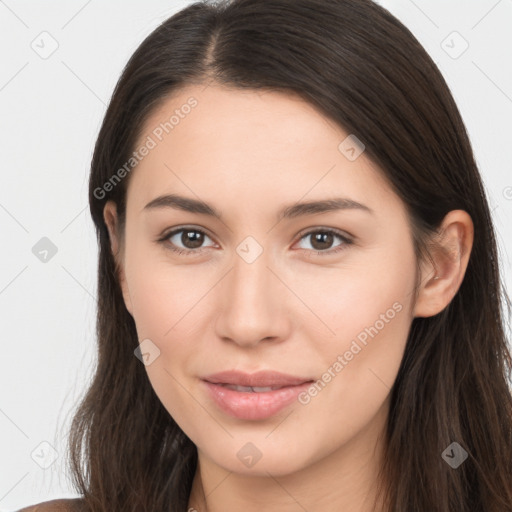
{"points": [[185, 240], [191, 239], [322, 240]]}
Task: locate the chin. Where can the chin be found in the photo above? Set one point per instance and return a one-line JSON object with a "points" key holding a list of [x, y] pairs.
{"points": [[259, 458]]}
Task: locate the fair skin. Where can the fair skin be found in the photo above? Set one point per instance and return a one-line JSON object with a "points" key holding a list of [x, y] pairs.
{"points": [[249, 154]]}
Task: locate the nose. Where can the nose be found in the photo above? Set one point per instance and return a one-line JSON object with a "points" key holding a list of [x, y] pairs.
{"points": [[252, 305]]}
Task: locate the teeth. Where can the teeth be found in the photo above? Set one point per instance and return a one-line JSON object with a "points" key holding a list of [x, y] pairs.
{"points": [[261, 390], [249, 389], [239, 388]]}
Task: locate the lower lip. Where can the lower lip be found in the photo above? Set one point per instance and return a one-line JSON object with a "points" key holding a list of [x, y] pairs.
{"points": [[254, 406]]}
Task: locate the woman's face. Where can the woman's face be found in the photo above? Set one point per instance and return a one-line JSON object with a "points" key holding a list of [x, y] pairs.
{"points": [[322, 293]]}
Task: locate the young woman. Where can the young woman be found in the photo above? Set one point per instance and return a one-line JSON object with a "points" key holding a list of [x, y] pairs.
{"points": [[300, 305]]}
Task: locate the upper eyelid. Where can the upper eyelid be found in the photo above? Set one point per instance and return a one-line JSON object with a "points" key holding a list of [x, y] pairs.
{"points": [[336, 231]]}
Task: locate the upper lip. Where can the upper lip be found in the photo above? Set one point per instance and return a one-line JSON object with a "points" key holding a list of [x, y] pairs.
{"points": [[264, 378]]}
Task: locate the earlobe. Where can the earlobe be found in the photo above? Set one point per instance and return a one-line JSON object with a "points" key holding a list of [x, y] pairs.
{"points": [[441, 281]]}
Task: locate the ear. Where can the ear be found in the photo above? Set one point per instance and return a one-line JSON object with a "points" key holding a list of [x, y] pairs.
{"points": [[440, 283], [111, 221]]}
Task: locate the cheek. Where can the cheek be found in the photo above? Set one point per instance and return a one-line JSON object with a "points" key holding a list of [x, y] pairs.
{"points": [[163, 294], [164, 307], [167, 306], [360, 303], [370, 315]]}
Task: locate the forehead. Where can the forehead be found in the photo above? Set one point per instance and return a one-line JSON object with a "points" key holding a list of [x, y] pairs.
{"points": [[238, 144], [234, 117]]}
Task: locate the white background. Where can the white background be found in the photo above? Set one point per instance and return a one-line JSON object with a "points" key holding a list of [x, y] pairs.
{"points": [[50, 114]]}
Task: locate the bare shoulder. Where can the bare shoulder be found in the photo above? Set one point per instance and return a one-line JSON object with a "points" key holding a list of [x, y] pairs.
{"points": [[61, 505]]}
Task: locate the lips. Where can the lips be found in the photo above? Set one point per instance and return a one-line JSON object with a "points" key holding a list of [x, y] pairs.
{"points": [[255, 396], [265, 380]]}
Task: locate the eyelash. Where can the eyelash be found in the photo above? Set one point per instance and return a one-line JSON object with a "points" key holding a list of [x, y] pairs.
{"points": [[191, 252]]}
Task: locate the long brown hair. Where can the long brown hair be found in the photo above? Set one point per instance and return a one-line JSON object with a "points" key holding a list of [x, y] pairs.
{"points": [[365, 71]]}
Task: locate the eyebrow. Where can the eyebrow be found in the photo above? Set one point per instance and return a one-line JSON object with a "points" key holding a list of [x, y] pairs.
{"points": [[190, 205]]}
